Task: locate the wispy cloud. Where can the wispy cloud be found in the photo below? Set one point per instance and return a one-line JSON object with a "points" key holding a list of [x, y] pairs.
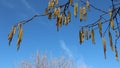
{"points": [[6, 4], [28, 6], [79, 60], [65, 48], [85, 66], [10, 4], [80, 63]]}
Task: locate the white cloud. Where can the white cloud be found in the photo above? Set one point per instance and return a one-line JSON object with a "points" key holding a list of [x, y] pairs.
{"points": [[28, 6], [79, 61], [83, 66], [65, 48], [9, 4], [6, 4]]}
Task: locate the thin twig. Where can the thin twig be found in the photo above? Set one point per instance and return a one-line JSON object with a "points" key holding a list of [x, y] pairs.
{"points": [[94, 7]]}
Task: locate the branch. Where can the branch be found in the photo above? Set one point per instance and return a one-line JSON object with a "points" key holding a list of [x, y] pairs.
{"points": [[94, 7], [30, 19]]}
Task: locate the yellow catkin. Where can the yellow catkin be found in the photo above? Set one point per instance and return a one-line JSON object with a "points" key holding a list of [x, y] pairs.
{"points": [[100, 28], [81, 36], [49, 5], [88, 5], [116, 55], [71, 1], [55, 12], [84, 13], [14, 30], [59, 22], [10, 36], [110, 40], [56, 2], [75, 9], [19, 25], [58, 11], [112, 23], [19, 37], [110, 13], [81, 13], [52, 3], [66, 21], [104, 46], [69, 15], [92, 35]]}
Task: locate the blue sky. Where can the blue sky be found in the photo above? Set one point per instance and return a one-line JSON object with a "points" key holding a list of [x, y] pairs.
{"points": [[40, 34]]}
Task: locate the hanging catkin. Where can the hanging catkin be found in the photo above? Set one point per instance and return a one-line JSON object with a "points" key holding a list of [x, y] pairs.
{"points": [[110, 40], [84, 13], [93, 38], [104, 46], [19, 37], [81, 13], [81, 36], [75, 9], [100, 28], [88, 5]]}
